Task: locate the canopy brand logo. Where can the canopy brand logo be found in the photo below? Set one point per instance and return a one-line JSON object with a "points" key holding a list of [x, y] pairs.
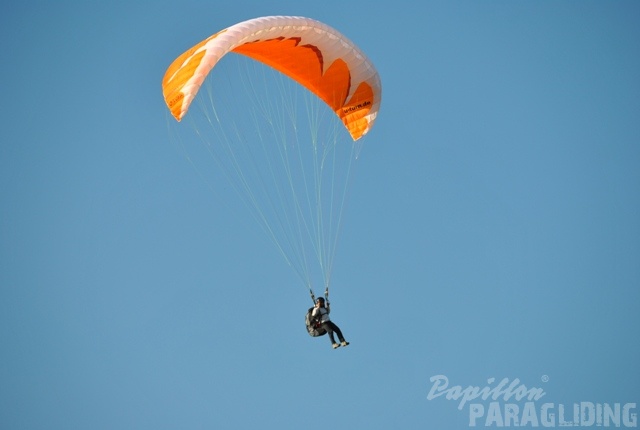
{"points": [[510, 403]]}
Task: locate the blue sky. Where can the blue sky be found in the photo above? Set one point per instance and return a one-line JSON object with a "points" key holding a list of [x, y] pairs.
{"points": [[493, 228]]}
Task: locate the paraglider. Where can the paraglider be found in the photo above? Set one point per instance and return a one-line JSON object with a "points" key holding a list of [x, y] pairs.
{"points": [[318, 322], [293, 176]]}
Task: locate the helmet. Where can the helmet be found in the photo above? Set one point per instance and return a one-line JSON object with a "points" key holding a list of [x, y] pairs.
{"points": [[319, 300]]}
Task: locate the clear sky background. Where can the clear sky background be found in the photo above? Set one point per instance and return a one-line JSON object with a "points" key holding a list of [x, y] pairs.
{"points": [[493, 229]]}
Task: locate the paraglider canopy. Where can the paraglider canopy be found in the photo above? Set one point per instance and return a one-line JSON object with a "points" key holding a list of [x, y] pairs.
{"points": [[308, 51], [292, 174]]}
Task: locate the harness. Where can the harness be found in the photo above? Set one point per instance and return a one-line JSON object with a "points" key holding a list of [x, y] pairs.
{"points": [[314, 328]]}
